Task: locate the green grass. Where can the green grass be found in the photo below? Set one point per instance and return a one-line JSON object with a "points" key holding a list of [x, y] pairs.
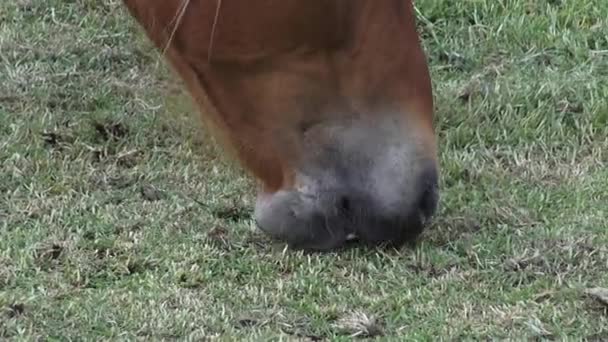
{"points": [[121, 219]]}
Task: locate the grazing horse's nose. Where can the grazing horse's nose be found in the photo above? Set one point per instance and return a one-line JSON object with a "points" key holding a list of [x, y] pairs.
{"points": [[375, 211], [377, 192]]}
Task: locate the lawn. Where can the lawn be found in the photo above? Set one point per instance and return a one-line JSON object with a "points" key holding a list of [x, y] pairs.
{"points": [[120, 218]]}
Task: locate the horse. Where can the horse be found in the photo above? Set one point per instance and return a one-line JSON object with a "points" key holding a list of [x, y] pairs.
{"points": [[328, 104]]}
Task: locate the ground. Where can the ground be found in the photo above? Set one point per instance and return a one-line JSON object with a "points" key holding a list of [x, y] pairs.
{"points": [[121, 218]]}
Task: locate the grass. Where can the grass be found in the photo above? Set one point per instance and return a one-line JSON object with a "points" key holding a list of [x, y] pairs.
{"points": [[121, 219]]}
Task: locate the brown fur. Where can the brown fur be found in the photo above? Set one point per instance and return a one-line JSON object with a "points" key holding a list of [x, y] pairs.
{"points": [[258, 68]]}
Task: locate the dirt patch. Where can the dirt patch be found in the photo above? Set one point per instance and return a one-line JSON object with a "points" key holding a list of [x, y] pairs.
{"points": [[480, 85], [58, 138], [218, 237], [110, 154], [51, 139], [104, 252], [48, 252], [431, 270], [128, 159], [15, 310], [254, 319], [189, 281], [520, 263], [110, 130], [473, 89], [572, 107], [247, 322], [136, 266], [455, 60], [233, 213], [150, 193]]}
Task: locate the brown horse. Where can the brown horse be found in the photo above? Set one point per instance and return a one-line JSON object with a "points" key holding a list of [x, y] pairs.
{"points": [[328, 103]]}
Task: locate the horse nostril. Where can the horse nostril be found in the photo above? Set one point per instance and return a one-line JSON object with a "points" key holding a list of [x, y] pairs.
{"points": [[344, 205], [429, 197]]}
